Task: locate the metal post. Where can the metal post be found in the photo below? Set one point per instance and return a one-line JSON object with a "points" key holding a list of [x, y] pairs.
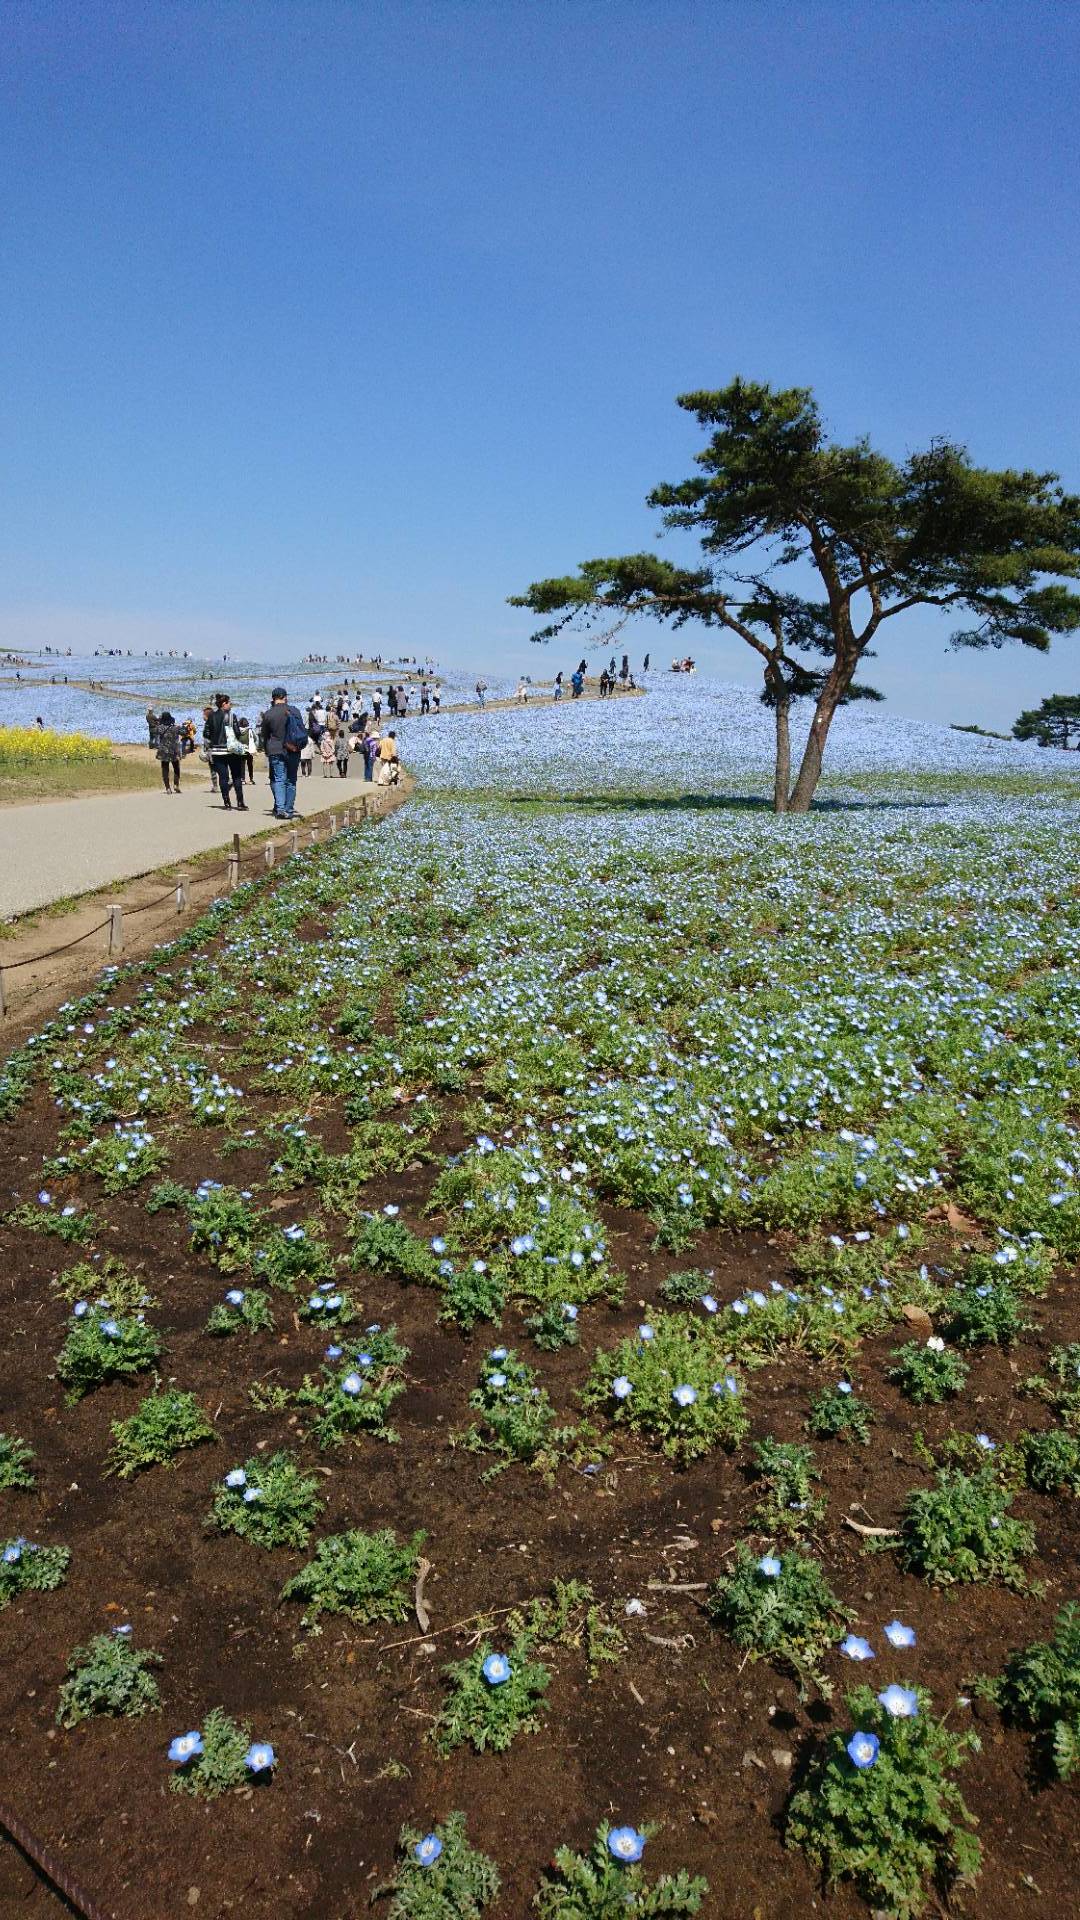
{"points": [[116, 928]]}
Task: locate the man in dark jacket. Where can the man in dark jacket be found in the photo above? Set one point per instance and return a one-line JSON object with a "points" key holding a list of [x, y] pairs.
{"points": [[283, 761]]}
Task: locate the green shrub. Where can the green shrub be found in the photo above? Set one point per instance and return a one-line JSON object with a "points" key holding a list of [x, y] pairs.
{"points": [[517, 1418], [837, 1413], [109, 1675], [474, 1293], [354, 1398], [74, 1225], [162, 1426], [456, 1883], [638, 1382], [1039, 1688], [896, 1826], [108, 1280], [928, 1374], [269, 1502], [363, 1575], [223, 1225], [486, 1714], [554, 1326], [788, 1472], [388, 1246], [293, 1260], [15, 1462], [780, 1609], [1052, 1460], [248, 1314], [685, 1289], [221, 1765], [986, 1313], [101, 1346], [28, 1568], [597, 1886], [960, 1530]]}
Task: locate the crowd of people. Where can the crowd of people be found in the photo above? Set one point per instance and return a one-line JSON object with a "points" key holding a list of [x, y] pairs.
{"points": [[289, 741]]}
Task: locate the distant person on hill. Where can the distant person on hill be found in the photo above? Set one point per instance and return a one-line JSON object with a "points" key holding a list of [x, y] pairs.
{"points": [[376, 705], [425, 697], [522, 694], [481, 689], [436, 696], [282, 734], [577, 684], [152, 725], [557, 690], [389, 772], [167, 748], [391, 699], [645, 668]]}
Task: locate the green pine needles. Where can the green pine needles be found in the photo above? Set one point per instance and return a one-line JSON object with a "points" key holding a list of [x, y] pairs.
{"points": [[597, 1886], [366, 1576], [493, 1697], [164, 1425], [108, 1675], [269, 1502], [439, 1876], [879, 1807]]}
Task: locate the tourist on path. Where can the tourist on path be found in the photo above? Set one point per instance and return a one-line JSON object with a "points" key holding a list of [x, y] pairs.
{"points": [[281, 736], [481, 689], [167, 747], [226, 752], [342, 749]]}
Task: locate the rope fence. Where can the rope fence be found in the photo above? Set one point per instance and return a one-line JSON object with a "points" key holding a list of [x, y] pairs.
{"points": [[370, 806]]}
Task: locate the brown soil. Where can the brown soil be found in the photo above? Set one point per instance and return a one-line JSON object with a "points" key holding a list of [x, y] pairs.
{"points": [[681, 1731]]}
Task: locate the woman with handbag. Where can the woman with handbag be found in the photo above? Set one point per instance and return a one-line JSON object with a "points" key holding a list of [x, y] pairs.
{"points": [[226, 752]]}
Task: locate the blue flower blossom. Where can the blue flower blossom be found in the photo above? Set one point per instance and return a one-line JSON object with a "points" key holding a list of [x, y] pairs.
{"points": [[427, 1850], [901, 1702], [622, 1388], [352, 1384], [769, 1565], [236, 1477], [235, 1297], [898, 1635], [626, 1845], [856, 1648], [684, 1396], [185, 1747], [496, 1669], [260, 1757], [863, 1749]]}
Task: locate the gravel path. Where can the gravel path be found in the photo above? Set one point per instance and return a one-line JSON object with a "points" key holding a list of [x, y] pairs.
{"points": [[51, 850]]}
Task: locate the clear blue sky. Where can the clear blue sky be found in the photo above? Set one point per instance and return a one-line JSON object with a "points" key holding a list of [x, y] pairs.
{"points": [[334, 324]]}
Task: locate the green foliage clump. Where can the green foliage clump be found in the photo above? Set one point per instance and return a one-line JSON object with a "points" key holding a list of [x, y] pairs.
{"points": [[839, 1415], [571, 1617], [355, 1397], [293, 1260], [108, 1675], [485, 1715], [388, 1246], [788, 1471], [28, 1568], [1039, 1688], [1062, 1390], [123, 1158], [928, 1373], [363, 1575], [220, 1766], [473, 1293], [108, 1280], [554, 1326], [274, 1505], [960, 1530], [167, 1193], [789, 1616], [223, 1225], [329, 1306], [898, 1828], [986, 1313], [595, 1886], [101, 1346], [682, 1353], [685, 1289], [1052, 1460], [517, 1418], [15, 1462], [251, 1314], [457, 1885], [163, 1425], [74, 1225]]}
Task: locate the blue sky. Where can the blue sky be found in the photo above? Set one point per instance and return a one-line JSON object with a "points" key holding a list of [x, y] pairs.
{"points": [[328, 325]]}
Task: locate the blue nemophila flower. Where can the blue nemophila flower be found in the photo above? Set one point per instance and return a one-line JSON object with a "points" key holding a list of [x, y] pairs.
{"points": [[863, 1749], [235, 1297], [901, 1702], [569, 1312], [352, 1384], [110, 1329], [251, 1494], [364, 1360], [684, 1396], [626, 1845], [260, 1757], [391, 1211], [769, 1565], [843, 1386], [121, 1633], [236, 1477], [316, 1303], [185, 1747], [496, 1379], [81, 1308], [622, 1388], [984, 1441], [898, 1635], [12, 1555], [709, 1303], [496, 1669], [645, 1332], [498, 1353], [428, 1849], [438, 1245], [333, 1353], [44, 1199], [856, 1647]]}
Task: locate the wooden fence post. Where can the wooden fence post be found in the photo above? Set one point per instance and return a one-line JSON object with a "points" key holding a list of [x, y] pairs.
{"points": [[332, 824], [234, 872], [270, 853], [3, 1003], [295, 838], [116, 928], [181, 893]]}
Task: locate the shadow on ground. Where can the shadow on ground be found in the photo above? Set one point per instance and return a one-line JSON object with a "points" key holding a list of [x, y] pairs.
{"points": [[710, 803]]}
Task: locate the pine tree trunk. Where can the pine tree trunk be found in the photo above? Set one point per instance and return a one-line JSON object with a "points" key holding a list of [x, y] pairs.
{"points": [[782, 777], [805, 787]]}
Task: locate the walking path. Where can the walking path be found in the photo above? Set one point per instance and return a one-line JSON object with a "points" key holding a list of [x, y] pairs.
{"points": [[55, 850]]}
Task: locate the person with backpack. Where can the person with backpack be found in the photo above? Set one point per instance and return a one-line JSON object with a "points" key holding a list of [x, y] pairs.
{"points": [[282, 735]]}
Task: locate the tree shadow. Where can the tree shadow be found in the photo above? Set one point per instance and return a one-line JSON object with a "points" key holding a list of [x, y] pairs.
{"points": [[712, 803]]}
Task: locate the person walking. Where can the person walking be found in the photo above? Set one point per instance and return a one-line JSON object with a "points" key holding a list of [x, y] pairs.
{"points": [[436, 696], [369, 748], [226, 752], [326, 752], [307, 757], [425, 697], [391, 700], [243, 734], [167, 748], [389, 765], [481, 689], [522, 694], [342, 750], [282, 734], [376, 705], [557, 690], [152, 725]]}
